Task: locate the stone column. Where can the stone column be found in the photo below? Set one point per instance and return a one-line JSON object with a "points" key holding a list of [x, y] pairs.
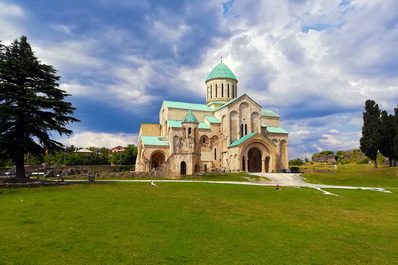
{"points": [[263, 165], [247, 165]]}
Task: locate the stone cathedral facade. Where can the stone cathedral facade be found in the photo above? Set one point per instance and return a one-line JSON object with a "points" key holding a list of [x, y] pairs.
{"points": [[229, 132]]}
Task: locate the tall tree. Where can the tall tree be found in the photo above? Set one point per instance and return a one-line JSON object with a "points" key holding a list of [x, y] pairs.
{"points": [[387, 134], [370, 140], [395, 141], [31, 105]]}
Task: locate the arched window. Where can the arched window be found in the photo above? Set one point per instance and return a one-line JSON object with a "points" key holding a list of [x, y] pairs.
{"points": [[233, 91], [228, 90], [245, 129], [210, 94], [204, 140], [215, 153], [222, 90], [241, 130], [216, 90], [189, 131]]}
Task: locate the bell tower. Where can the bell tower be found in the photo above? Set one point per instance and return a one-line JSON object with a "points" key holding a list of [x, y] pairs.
{"points": [[221, 84]]}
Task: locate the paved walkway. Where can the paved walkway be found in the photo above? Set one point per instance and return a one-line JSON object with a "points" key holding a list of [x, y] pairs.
{"points": [[281, 179]]}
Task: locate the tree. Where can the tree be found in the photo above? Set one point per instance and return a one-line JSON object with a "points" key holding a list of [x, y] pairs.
{"points": [[31, 105], [387, 134], [370, 140], [127, 157]]}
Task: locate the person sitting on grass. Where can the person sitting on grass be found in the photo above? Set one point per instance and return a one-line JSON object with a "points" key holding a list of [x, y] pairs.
{"points": [[153, 183], [277, 187]]}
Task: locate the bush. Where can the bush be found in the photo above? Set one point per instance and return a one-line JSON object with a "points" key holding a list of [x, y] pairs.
{"points": [[296, 162], [364, 160]]}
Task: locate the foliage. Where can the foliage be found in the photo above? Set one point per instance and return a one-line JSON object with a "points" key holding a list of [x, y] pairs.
{"points": [[344, 161], [370, 139], [364, 160], [387, 134], [326, 153], [75, 159], [31, 104], [296, 162], [196, 223], [127, 157]]}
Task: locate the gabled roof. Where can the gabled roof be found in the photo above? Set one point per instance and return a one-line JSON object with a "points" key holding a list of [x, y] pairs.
{"points": [[154, 140], [233, 100], [268, 113], [212, 119], [247, 137], [190, 117], [273, 129], [221, 71], [178, 124], [241, 140], [187, 106]]}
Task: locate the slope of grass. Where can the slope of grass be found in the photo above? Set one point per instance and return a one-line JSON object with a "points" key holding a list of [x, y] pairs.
{"points": [[195, 223], [357, 175]]}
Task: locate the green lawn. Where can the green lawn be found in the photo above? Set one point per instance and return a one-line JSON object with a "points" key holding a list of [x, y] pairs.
{"points": [[196, 223], [357, 175]]}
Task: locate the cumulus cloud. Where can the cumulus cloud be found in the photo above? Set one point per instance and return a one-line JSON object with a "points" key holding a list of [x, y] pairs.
{"points": [[108, 140]]}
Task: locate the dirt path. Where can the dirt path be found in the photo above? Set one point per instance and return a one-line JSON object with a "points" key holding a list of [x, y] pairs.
{"points": [[296, 180]]}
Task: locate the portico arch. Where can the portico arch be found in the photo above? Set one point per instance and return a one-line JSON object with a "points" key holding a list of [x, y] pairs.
{"points": [[259, 156], [157, 159], [254, 160]]}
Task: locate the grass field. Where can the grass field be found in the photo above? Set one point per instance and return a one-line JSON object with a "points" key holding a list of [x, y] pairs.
{"points": [[196, 223], [357, 175]]}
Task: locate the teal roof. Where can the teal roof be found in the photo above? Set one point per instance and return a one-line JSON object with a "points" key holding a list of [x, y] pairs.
{"points": [[229, 102], [241, 140], [178, 124], [268, 113], [221, 71], [276, 129], [246, 137], [273, 129], [154, 140], [212, 119], [190, 117], [187, 106]]}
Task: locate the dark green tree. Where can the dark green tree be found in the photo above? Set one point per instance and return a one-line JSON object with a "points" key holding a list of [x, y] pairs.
{"points": [[31, 105], [370, 140], [127, 157], [387, 135]]}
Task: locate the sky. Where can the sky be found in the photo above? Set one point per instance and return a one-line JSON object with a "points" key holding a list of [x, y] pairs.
{"points": [[315, 63]]}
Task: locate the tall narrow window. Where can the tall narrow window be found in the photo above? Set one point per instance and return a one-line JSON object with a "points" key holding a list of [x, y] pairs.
{"points": [[215, 153], [216, 91], [222, 90], [211, 90], [241, 130], [189, 132], [233, 91], [245, 129], [228, 90]]}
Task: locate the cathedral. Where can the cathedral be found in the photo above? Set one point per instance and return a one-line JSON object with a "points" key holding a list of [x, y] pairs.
{"points": [[229, 133]]}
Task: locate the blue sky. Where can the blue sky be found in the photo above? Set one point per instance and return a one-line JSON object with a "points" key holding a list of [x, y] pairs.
{"points": [[313, 62]]}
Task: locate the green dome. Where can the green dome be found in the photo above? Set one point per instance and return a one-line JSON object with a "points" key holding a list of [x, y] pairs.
{"points": [[221, 71]]}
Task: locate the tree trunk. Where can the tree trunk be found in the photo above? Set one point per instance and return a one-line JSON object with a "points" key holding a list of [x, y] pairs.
{"points": [[20, 166], [375, 162]]}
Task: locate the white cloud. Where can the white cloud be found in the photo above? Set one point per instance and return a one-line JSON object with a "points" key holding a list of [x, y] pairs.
{"points": [[108, 140]]}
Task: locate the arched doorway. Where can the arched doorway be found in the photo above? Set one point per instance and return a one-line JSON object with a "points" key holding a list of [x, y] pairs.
{"points": [[254, 157], [157, 160], [197, 169], [183, 168]]}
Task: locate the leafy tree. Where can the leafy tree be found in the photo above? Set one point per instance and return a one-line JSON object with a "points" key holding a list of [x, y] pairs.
{"points": [[31, 105], [387, 134], [369, 142], [296, 162], [127, 157]]}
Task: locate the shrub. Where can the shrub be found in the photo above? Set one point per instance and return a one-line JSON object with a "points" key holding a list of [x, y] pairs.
{"points": [[364, 160]]}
